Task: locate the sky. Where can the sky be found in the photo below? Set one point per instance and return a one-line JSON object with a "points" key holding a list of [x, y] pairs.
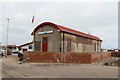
{"points": [[97, 18]]}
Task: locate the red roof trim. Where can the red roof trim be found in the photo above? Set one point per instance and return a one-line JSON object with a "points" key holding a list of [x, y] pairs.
{"points": [[67, 30], [25, 44], [44, 23], [12, 46]]}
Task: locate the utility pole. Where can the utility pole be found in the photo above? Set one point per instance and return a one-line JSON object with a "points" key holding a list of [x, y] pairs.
{"points": [[33, 32], [7, 37], [0, 48]]}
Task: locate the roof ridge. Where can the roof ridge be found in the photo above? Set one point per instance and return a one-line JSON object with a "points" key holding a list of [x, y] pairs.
{"points": [[84, 34]]}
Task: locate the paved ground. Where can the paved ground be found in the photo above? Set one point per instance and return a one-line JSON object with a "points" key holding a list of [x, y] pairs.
{"points": [[0, 68], [11, 69]]}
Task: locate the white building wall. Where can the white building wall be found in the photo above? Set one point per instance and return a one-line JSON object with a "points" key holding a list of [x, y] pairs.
{"points": [[27, 47]]}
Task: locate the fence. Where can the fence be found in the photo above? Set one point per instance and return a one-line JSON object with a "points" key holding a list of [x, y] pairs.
{"points": [[66, 57]]}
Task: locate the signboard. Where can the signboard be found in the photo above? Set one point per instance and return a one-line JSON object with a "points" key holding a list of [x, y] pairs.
{"points": [[46, 32]]}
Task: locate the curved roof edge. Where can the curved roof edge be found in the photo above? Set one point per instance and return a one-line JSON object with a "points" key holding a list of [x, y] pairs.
{"points": [[65, 29], [44, 23]]}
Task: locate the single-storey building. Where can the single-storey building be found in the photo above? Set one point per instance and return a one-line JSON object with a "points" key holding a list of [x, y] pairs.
{"points": [[10, 49], [26, 47], [50, 37]]}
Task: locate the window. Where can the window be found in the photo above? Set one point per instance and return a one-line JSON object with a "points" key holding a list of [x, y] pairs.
{"points": [[30, 46], [69, 45], [45, 39], [37, 46]]}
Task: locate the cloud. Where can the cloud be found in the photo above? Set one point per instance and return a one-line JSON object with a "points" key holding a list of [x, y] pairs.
{"points": [[97, 18], [0, 24]]}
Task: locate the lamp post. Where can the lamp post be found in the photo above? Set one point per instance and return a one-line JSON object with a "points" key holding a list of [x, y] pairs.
{"points": [[7, 37]]}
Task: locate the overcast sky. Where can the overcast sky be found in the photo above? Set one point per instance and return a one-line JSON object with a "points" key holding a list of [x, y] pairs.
{"points": [[97, 18]]}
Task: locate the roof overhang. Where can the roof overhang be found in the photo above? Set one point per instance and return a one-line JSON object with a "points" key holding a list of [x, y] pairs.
{"points": [[66, 30], [45, 23]]}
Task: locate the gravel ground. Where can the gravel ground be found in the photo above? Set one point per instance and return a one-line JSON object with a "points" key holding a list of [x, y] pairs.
{"points": [[11, 69]]}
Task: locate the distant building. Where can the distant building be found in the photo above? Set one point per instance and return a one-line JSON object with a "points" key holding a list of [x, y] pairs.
{"points": [[10, 48], [26, 47], [117, 50], [50, 37], [113, 50], [103, 50]]}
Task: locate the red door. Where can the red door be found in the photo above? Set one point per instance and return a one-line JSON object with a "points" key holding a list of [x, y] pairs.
{"points": [[44, 44]]}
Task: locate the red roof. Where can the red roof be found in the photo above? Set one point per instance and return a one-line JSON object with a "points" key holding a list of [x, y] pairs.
{"points": [[11, 46], [25, 44], [67, 30]]}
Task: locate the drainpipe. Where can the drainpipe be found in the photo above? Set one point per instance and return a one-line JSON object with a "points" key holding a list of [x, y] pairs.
{"points": [[60, 41], [63, 41]]}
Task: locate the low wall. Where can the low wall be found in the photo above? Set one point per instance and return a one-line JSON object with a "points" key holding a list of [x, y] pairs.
{"points": [[66, 57], [100, 57]]}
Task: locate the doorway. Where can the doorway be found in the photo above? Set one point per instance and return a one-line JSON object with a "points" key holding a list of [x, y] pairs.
{"points": [[45, 44]]}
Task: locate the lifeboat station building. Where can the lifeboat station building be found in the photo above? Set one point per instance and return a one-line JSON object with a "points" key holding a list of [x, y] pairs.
{"points": [[50, 37]]}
